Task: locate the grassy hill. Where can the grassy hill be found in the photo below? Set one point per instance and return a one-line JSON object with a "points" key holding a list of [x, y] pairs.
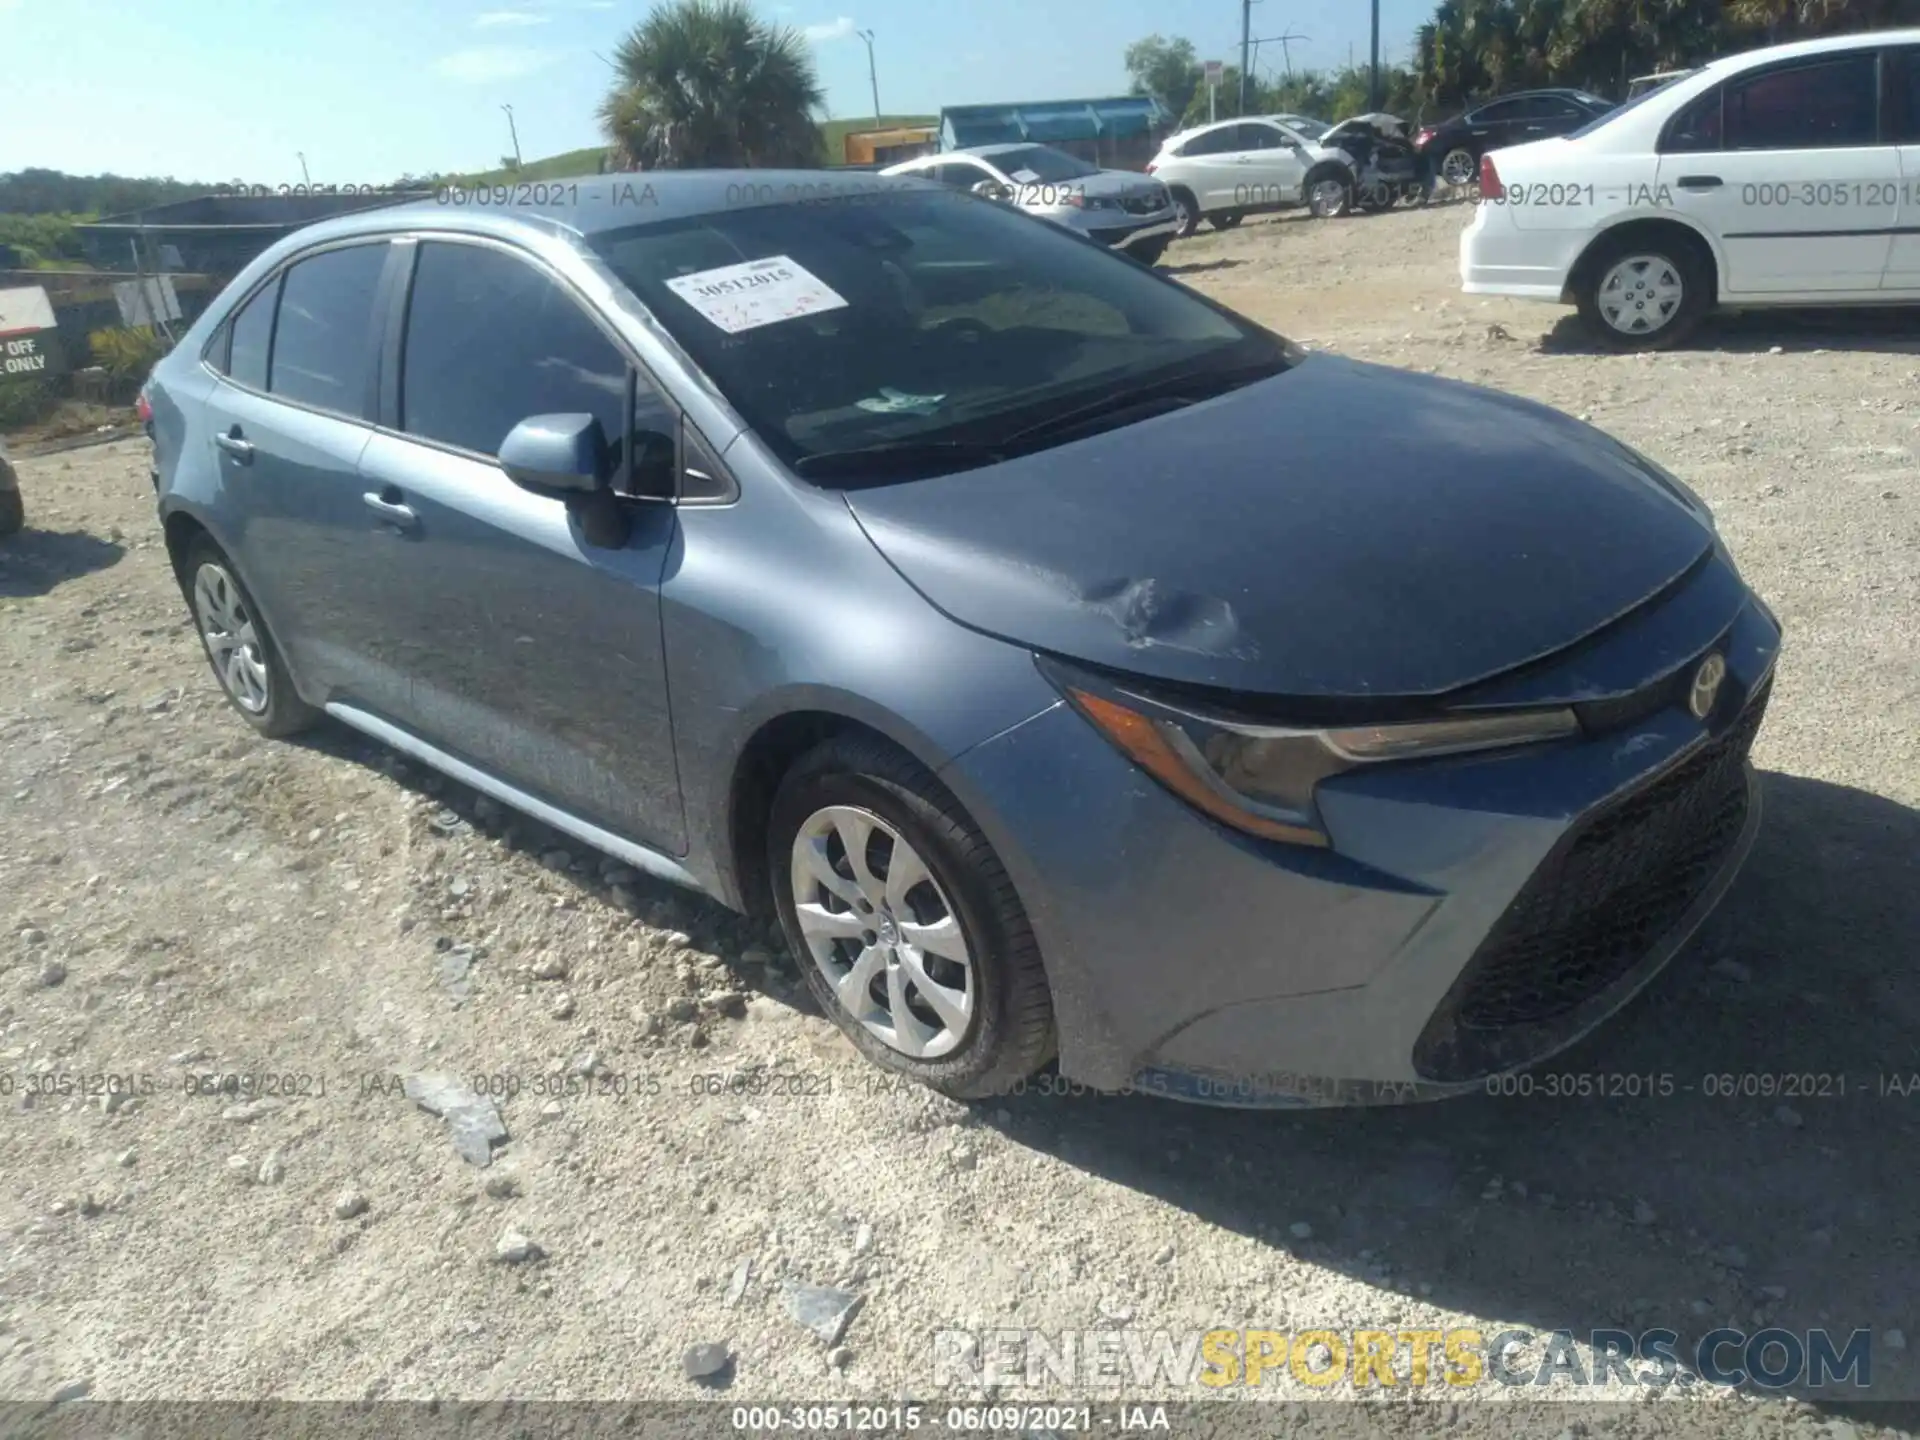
{"points": [[833, 135]]}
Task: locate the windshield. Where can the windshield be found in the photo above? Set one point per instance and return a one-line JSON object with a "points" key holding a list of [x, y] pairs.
{"points": [[1305, 127], [1631, 104], [1039, 165], [914, 315]]}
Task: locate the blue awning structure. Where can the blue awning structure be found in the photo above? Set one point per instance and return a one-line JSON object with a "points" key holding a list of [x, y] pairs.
{"points": [[1049, 122]]}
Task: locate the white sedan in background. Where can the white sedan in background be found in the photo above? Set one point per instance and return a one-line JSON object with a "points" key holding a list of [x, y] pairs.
{"points": [[1121, 209], [1785, 176]]}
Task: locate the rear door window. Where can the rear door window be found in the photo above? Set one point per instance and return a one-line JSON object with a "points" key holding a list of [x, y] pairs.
{"points": [[325, 340], [1821, 106], [1904, 76]]}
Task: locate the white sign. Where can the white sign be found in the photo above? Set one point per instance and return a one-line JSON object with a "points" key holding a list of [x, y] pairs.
{"points": [[21, 356], [24, 311], [148, 301], [760, 292], [1214, 70]]}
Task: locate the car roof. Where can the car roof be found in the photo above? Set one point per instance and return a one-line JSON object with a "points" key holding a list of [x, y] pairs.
{"points": [[1831, 44], [592, 204]]}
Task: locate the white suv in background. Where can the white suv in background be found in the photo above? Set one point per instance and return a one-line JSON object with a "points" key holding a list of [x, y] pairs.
{"points": [[1230, 169], [1785, 176]]}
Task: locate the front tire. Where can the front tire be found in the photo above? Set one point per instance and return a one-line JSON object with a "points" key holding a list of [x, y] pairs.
{"points": [[1329, 193], [1148, 252], [1636, 295], [904, 922], [238, 645], [1189, 212], [13, 512]]}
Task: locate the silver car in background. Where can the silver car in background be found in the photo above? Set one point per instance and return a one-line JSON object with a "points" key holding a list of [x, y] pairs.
{"points": [[1121, 209], [1228, 170]]}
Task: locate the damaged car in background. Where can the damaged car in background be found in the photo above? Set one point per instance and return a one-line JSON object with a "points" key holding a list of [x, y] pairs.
{"points": [[1120, 209], [1070, 664]]}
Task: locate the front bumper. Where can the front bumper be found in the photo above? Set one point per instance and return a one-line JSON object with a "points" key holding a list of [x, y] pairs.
{"points": [[1467, 922]]}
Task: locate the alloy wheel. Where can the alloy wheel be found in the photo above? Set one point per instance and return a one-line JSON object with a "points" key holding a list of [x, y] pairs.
{"points": [[232, 640], [1328, 198], [1458, 167], [1640, 294], [882, 932]]}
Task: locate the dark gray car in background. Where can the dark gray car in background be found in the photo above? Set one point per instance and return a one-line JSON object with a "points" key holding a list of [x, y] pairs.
{"points": [[1073, 666]]}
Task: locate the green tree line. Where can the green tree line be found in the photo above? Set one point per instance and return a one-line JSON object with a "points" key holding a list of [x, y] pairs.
{"points": [[1471, 49]]}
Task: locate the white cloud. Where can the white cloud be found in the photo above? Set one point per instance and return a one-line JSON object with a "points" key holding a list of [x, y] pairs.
{"points": [[841, 29], [494, 19], [484, 63]]}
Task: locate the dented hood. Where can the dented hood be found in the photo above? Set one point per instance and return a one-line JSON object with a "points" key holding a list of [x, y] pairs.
{"points": [[1341, 529]]}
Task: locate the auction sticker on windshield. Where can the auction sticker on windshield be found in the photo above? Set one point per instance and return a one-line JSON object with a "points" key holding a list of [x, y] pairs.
{"points": [[760, 292]]}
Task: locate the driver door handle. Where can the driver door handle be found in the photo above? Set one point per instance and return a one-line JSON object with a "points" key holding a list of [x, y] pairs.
{"points": [[236, 445], [391, 510], [1699, 182]]}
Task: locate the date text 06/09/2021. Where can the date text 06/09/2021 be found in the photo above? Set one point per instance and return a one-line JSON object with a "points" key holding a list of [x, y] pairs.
{"points": [[1855, 195], [991, 1419]]}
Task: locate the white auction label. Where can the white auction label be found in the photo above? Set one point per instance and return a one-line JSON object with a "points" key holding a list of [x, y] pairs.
{"points": [[760, 292]]}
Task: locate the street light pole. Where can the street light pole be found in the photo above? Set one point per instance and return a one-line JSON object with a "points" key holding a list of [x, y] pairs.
{"points": [[514, 131], [873, 77], [1373, 76], [302, 156]]}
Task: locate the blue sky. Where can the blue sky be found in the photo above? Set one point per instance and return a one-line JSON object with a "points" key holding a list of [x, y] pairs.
{"points": [[369, 89]]}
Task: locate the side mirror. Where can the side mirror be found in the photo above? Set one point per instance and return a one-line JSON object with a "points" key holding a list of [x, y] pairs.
{"points": [[556, 452], [993, 190]]}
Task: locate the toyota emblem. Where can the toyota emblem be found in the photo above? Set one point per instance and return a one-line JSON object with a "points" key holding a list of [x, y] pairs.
{"points": [[1706, 686]]}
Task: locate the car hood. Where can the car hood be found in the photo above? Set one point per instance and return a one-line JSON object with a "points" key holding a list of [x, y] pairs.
{"points": [[1113, 185], [1341, 529]]}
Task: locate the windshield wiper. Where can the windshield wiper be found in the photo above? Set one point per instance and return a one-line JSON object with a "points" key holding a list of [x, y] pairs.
{"points": [[1185, 387], [898, 459]]}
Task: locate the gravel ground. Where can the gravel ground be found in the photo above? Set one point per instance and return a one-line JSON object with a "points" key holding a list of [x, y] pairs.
{"points": [[180, 899]]}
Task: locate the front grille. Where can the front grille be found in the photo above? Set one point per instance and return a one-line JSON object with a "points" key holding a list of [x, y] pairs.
{"points": [[1611, 889]]}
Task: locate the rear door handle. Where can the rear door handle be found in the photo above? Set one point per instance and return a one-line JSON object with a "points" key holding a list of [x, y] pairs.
{"points": [[235, 445], [392, 511], [1699, 182]]}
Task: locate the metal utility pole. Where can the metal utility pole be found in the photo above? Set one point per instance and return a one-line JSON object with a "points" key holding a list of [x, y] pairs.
{"points": [[873, 76], [1373, 77], [514, 131], [301, 155], [1285, 51], [1246, 42]]}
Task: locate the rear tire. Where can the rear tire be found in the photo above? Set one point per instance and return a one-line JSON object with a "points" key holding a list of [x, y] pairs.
{"points": [[13, 511], [1459, 166], [238, 645], [856, 806], [1643, 294]]}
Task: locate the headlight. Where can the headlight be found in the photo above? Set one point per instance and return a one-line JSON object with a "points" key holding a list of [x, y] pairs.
{"points": [[1262, 778]]}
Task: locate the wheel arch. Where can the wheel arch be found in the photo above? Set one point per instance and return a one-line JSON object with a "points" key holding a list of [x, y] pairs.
{"points": [[1643, 228], [766, 753]]}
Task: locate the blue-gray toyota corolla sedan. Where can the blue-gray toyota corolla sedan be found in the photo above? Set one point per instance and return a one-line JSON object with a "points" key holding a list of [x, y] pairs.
{"points": [[1075, 668]]}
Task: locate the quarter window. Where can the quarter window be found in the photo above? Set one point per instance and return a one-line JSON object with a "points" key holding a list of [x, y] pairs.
{"points": [[492, 341], [252, 332], [323, 344], [1810, 107]]}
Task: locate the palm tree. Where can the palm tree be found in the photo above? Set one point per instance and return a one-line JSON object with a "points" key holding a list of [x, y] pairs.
{"points": [[706, 83]]}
